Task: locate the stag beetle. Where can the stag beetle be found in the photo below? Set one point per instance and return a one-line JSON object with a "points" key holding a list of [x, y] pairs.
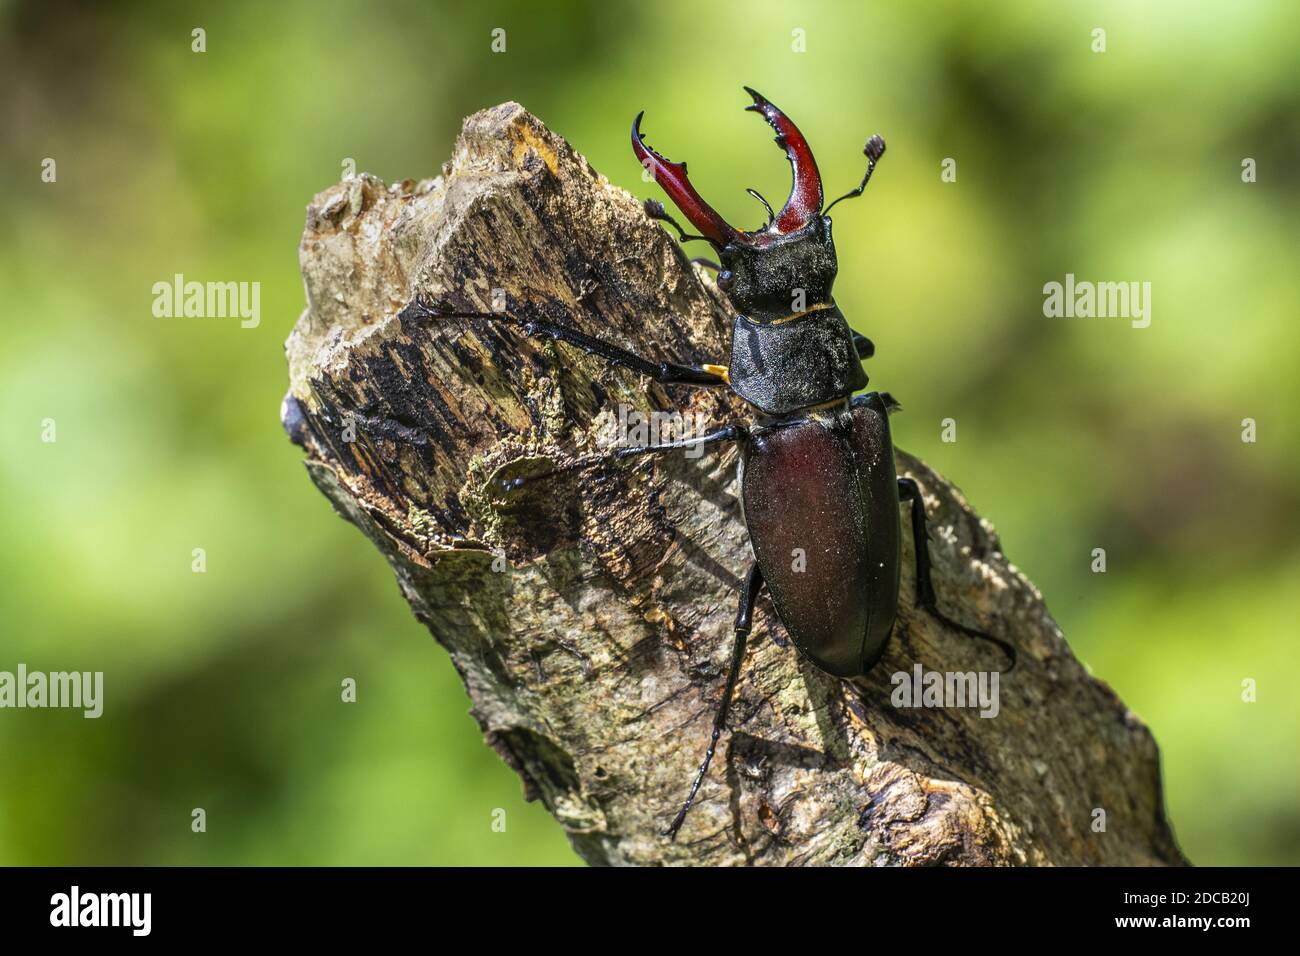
{"points": [[816, 469]]}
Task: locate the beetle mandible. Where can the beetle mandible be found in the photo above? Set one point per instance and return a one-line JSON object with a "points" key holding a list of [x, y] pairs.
{"points": [[817, 461]]}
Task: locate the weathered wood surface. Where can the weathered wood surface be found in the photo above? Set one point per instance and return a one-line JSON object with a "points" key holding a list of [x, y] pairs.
{"points": [[594, 651]]}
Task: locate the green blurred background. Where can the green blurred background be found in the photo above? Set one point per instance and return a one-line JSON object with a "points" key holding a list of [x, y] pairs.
{"points": [[222, 689]]}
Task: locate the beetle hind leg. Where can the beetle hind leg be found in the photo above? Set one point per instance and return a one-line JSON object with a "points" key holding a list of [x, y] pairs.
{"points": [[744, 622], [910, 491]]}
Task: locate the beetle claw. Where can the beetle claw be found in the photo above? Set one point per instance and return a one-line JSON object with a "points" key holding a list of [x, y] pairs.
{"points": [[672, 178], [806, 190], [805, 199]]}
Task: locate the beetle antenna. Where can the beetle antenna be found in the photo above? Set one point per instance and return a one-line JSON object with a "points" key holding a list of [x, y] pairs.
{"points": [[874, 149], [654, 209], [707, 263], [759, 196]]}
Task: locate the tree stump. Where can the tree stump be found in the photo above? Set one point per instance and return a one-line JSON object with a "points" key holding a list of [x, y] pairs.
{"points": [[590, 613]]}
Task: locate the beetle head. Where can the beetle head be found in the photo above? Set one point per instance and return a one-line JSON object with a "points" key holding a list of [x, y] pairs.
{"points": [[785, 266]]}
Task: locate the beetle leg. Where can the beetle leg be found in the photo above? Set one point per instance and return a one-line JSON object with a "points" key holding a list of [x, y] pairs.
{"points": [[744, 622], [909, 490], [666, 373], [732, 432], [866, 348], [886, 402]]}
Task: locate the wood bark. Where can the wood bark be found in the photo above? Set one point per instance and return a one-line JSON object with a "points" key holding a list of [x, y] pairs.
{"points": [[590, 614]]}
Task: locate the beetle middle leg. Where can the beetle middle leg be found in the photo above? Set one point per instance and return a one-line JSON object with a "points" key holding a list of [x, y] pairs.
{"points": [[732, 432], [744, 622], [910, 491]]}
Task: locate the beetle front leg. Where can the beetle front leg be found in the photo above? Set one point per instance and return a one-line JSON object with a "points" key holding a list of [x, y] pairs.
{"points": [[744, 622], [909, 490], [666, 373], [863, 346]]}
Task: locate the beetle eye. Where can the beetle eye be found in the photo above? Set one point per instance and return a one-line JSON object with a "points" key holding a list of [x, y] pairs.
{"points": [[724, 280]]}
